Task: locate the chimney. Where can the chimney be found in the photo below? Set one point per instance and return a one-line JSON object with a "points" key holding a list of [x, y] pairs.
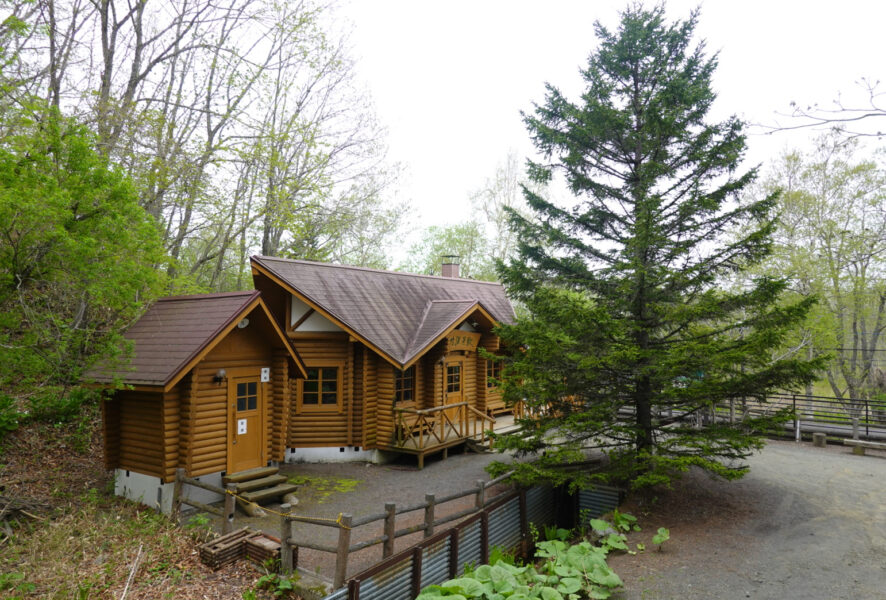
{"points": [[450, 265]]}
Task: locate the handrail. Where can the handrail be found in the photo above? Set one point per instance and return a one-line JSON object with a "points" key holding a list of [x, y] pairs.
{"points": [[482, 415], [433, 409]]}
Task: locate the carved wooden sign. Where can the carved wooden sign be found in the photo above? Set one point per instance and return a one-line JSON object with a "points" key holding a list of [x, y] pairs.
{"points": [[462, 340]]}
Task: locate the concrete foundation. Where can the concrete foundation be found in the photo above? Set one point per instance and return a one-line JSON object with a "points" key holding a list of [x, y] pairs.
{"points": [[335, 455], [151, 491]]}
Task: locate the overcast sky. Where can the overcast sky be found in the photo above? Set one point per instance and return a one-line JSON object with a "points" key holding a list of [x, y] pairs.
{"points": [[449, 79]]}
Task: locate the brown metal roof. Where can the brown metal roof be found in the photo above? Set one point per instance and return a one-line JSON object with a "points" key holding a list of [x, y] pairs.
{"points": [[398, 313], [173, 332]]}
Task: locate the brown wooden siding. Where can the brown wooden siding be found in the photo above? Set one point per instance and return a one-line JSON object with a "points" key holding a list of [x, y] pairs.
{"points": [[171, 428], [384, 401], [111, 426], [279, 407], [370, 400], [315, 428], [141, 446], [356, 362]]}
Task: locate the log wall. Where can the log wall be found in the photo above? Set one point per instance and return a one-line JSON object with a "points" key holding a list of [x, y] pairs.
{"points": [[318, 428]]}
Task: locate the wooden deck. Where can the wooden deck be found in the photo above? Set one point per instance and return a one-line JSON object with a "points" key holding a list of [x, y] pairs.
{"points": [[432, 430]]}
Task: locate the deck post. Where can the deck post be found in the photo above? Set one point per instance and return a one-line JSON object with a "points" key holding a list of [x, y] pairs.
{"points": [[390, 529], [429, 515], [285, 541], [344, 546], [229, 509]]}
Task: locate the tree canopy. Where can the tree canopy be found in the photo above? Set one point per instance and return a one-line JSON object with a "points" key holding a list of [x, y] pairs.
{"points": [[634, 335]]}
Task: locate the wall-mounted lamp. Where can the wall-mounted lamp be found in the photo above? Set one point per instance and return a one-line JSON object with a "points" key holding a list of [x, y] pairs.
{"points": [[219, 376]]}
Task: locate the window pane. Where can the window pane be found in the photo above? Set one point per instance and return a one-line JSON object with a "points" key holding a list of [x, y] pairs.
{"points": [[330, 386], [330, 398], [241, 389], [241, 403], [311, 386], [251, 388], [309, 398], [313, 373], [252, 403], [330, 372]]}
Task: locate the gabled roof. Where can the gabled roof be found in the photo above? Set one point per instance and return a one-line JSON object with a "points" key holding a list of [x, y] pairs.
{"points": [[399, 314], [176, 332]]}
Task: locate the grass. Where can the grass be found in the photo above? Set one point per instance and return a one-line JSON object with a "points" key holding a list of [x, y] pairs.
{"points": [[323, 487], [87, 550]]}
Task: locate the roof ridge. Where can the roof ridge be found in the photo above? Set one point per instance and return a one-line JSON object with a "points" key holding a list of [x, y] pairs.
{"points": [[370, 270]]}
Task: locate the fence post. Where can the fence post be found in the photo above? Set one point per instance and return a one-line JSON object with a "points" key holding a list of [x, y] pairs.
{"points": [[229, 509], [344, 546], [453, 553], [797, 436], [524, 523], [484, 537], [416, 571], [285, 541], [429, 515], [867, 418], [481, 494], [390, 529], [177, 493]]}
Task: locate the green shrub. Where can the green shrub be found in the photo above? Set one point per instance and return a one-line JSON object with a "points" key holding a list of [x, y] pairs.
{"points": [[55, 405], [9, 415]]}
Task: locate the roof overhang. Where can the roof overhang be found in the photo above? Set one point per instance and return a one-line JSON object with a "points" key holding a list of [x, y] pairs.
{"points": [[476, 307], [213, 341], [261, 269]]}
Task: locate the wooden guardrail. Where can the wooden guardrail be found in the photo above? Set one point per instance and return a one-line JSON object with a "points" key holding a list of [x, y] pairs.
{"points": [[346, 523], [226, 512], [424, 428]]}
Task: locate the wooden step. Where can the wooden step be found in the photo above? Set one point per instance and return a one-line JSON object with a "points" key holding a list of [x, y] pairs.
{"points": [[263, 482], [273, 492], [250, 474]]}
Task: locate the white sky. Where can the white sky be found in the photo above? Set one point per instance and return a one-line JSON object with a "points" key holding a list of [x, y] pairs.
{"points": [[449, 79]]}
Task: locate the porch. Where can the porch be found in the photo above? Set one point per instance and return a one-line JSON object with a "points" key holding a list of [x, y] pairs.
{"points": [[422, 432]]}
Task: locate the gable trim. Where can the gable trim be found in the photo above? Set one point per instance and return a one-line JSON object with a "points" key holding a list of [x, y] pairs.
{"points": [[325, 313], [447, 330], [223, 331]]}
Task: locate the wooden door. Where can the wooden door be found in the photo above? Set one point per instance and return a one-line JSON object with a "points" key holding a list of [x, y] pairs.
{"points": [[454, 385], [245, 424]]}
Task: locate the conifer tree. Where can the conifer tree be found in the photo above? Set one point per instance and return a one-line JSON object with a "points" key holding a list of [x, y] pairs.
{"points": [[634, 333]]}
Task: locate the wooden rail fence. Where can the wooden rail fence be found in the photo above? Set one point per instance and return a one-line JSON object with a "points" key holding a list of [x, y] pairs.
{"points": [[346, 523]]}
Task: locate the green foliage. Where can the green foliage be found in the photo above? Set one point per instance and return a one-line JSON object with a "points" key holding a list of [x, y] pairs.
{"points": [[632, 335], [498, 554], [199, 526], [466, 240], [280, 585], [661, 537], [9, 415], [78, 259], [564, 571], [557, 533]]}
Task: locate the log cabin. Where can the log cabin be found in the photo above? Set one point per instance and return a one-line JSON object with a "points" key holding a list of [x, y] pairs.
{"points": [[320, 362]]}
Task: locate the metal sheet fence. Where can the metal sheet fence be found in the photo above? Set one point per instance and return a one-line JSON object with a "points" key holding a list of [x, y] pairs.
{"points": [[504, 523]]}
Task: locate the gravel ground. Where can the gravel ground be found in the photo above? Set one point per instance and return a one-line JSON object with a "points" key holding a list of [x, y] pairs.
{"points": [[363, 489], [805, 523]]}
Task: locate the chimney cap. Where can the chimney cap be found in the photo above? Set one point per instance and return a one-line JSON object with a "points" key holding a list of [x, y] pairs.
{"points": [[451, 259]]}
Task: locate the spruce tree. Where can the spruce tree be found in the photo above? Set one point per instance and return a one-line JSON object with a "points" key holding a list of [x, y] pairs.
{"points": [[636, 329]]}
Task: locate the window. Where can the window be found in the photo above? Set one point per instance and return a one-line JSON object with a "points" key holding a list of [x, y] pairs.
{"points": [[247, 396], [404, 385], [493, 371], [453, 379], [322, 388]]}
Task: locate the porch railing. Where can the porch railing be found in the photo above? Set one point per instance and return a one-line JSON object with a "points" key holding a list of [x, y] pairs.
{"points": [[419, 429]]}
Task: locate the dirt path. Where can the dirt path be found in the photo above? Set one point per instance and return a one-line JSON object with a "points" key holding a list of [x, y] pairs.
{"points": [[805, 523]]}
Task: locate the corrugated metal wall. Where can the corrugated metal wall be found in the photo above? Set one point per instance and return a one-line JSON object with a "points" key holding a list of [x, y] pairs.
{"points": [[393, 580], [598, 501], [504, 525]]}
